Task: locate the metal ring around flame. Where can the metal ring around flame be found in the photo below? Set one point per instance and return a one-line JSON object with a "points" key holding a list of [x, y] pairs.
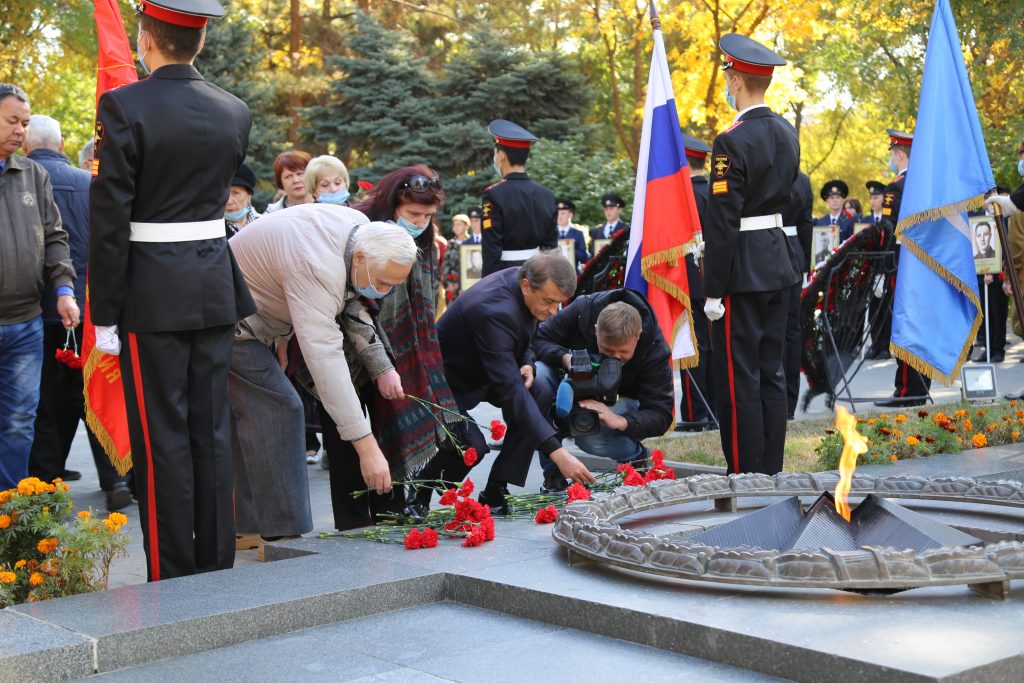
{"points": [[589, 528]]}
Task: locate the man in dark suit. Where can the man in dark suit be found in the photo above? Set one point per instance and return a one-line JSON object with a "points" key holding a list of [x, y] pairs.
{"points": [[880, 307], [485, 338], [748, 262], [518, 214], [568, 231], [164, 286], [834, 193], [613, 205], [911, 387]]}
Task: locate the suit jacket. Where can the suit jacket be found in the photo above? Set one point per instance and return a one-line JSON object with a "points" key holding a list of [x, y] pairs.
{"points": [[485, 338], [582, 255], [597, 233], [844, 222], [798, 214], [167, 148], [518, 214], [753, 167]]}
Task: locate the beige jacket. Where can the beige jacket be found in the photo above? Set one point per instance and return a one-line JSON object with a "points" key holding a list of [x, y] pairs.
{"points": [[295, 264]]}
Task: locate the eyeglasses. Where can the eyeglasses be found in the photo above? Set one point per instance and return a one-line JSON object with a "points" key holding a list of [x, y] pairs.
{"points": [[422, 183]]}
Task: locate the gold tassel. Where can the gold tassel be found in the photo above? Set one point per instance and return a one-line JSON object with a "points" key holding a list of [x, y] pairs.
{"points": [[122, 465], [947, 211], [668, 256]]}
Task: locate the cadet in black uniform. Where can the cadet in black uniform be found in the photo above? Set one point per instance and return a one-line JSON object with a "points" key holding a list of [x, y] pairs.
{"points": [[613, 205], [799, 227], [698, 397], [748, 262], [163, 279], [519, 214], [834, 193], [912, 387]]}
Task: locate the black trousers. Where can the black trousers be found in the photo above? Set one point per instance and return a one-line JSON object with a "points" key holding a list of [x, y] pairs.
{"points": [[61, 408], [909, 382], [176, 391], [751, 396], [791, 354]]}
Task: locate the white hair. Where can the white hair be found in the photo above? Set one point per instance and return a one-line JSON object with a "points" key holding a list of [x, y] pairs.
{"points": [[385, 242], [43, 131], [86, 152]]}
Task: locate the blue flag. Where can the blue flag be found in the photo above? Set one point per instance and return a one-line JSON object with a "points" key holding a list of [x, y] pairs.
{"points": [[936, 310]]}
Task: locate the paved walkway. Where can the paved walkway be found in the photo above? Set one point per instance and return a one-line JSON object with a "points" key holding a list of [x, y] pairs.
{"points": [[875, 379]]}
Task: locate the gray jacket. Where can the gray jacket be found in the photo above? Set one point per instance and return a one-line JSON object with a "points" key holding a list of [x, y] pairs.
{"points": [[34, 245]]}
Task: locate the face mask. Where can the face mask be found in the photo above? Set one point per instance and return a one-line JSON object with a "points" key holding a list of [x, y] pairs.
{"points": [[892, 166], [1020, 167], [369, 291], [410, 228], [729, 99], [142, 59], [236, 215], [338, 197]]}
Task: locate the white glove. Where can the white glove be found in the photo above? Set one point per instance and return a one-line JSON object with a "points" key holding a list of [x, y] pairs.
{"points": [[879, 287], [1005, 203], [713, 309], [698, 250], [107, 340]]}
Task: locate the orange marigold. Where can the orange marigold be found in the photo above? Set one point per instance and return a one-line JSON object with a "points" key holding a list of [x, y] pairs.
{"points": [[979, 440], [19, 564], [5, 521], [5, 496], [872, 420], [893, 458], [8, 577], [1014, 435], [884, 416], [981, 413], [992, 427], [968, 425], [912, 441], [900, 418], [47, 545], [1019, 413], [85, 514], [960, 413], [36, 579]]}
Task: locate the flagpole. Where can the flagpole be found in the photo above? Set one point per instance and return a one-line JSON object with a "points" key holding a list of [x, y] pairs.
{"points": [[655, 21], [1018, 301]]}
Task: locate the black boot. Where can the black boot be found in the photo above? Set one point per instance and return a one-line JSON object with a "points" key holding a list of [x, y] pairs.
{"points": [[554, 482], [494, 496], [417, 503]]}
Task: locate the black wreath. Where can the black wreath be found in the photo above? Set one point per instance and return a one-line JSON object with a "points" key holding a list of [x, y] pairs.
{"points": [[852, 280], [607, 268]]}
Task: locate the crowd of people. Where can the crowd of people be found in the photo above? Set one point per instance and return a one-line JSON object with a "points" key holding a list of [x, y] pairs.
{"points": [[244, 339]]}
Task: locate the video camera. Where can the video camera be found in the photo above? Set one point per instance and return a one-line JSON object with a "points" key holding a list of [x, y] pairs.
{"points": [[589, 377]]}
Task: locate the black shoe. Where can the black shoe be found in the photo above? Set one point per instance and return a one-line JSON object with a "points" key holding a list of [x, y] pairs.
{"points": [[554, 482], [70, 475], [119, 497], [699, 426], [417, 504], [878, 355], [980, 356], [998, 357], [495, 499], [897, 402]]}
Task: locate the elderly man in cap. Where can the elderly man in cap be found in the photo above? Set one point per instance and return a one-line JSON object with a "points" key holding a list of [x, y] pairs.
{"points": [[613, 206], [164, 286], [748, 262], [239, 211], [567, 230], [834, 193], [518, 214]]}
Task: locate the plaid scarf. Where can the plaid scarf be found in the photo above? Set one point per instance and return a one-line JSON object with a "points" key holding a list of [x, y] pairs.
{"points": [[407, 432]]}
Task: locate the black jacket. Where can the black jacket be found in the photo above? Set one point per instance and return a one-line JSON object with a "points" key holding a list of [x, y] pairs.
{"points": [[167, 149], [518, 214], [485, 338], [798, 214], [753, 167], [646, 377]]}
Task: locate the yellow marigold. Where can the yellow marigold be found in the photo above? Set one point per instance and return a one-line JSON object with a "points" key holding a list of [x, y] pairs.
{"points": [[19, 564], [30, 486], [900, 418], [5, 496], [872, 420], [893, 458], [117, 518], [8, 577], [897, 432], [5, 521], [85, 514], [47, 545], [884, 416], [979, 440], [912, 441], [36, 579], [1014, 435]]}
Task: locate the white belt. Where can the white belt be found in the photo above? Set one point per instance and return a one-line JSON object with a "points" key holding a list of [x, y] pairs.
{"points": [[518, 254], [177, 232], [790, 230], [761, 222]]}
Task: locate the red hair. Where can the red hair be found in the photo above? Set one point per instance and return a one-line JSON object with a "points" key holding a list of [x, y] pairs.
{"points": [[292, 160], [391, 191]]}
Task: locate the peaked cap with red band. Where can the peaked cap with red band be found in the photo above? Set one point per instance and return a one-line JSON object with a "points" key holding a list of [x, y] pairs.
{"points": [[898, 137], [508, 134], [748, 56], [187, 13], [695, 148]]}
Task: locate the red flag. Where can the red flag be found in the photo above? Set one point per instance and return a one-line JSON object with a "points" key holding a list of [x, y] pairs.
{"points": [[105, 411]]}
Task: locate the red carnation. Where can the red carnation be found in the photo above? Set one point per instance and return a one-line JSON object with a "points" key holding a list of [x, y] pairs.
{"points": [[546, 515], [449, 497], [633, 478], [624, 467], [467, 488], [476, 537], [658, 459], [578, 492], [413, 539], [469, 457], [652, 475], [364, 185], [488, 526], [429, 538], [497, 430]]}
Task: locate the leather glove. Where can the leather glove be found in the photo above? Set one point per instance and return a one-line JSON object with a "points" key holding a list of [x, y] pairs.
{"points": [[1005, 203], [879, 287], [107, 340], [714, 309]]}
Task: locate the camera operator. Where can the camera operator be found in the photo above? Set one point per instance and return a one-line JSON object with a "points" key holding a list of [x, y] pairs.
{"points": [[617, 324]]}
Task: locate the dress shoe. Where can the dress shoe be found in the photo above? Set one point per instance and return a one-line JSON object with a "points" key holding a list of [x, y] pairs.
{"points": [[417, 503], [496, 501], [980, 356], [998, 356], [897, 402], [554, 482], [699, 426], [119, 497], [70, 475]]}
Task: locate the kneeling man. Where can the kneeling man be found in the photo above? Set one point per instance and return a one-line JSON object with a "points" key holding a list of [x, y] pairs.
{"points": [[617, 324]]}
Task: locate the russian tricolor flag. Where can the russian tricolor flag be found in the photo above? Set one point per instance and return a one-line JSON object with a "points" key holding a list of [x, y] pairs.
{"points": [[665, 221]]}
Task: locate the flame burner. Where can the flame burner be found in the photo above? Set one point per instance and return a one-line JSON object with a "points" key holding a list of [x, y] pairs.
{"points": [[876, 522]]}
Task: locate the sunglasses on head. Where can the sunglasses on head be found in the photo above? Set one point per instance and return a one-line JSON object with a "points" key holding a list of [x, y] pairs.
{"points": [[422, 183]]}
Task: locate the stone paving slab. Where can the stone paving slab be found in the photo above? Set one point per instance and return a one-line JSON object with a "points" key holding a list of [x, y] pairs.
{"points": [[24, 638]]}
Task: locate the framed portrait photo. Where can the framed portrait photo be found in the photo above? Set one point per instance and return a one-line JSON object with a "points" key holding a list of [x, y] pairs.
{"points": [[988, 257], [857, 227], [568, 249], [600, 244], [471, 264], [824, 239]]}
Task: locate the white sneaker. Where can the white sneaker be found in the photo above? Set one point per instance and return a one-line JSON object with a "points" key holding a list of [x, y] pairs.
{"points": [[312, 458]]}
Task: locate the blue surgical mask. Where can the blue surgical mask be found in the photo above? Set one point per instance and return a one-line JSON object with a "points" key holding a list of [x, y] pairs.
{"points": [[339, 197], [1020, 167], [497, 170], [369, 291], [892, 167], [410, 228], [236, 215], [729, 99], [142, 59]]}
